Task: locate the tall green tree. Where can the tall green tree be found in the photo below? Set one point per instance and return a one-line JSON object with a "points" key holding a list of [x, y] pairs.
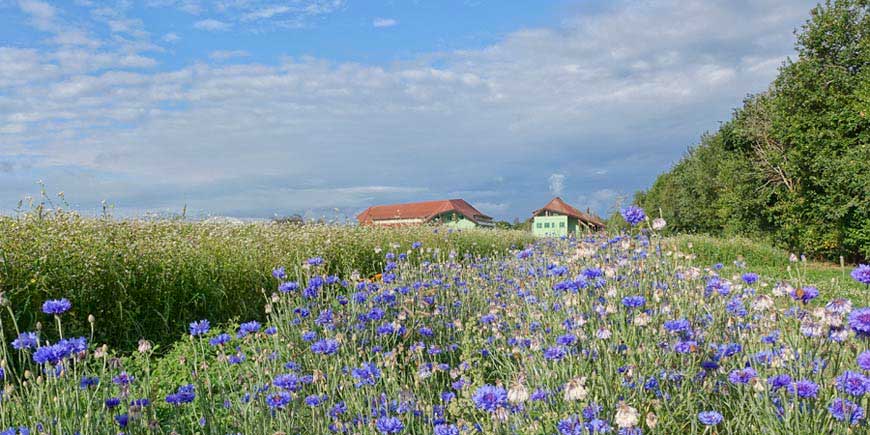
{"points": [[793, 163]]}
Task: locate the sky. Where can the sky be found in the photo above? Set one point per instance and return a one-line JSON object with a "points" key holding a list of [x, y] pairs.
{"points": [[262, 108]]}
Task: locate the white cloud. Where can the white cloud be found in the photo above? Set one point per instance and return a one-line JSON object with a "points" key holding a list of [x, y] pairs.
{"points": [[211, 25], [384, 22], [171, 37], [556, 183], [222, 55], [623, 91]]}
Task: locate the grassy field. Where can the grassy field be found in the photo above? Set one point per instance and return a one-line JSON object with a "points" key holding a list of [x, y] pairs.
{"points": [[739, 254], [608, 334], [150, 278]]}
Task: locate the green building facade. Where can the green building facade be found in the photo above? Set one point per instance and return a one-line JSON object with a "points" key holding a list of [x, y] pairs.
{"points": [[558, 219]]}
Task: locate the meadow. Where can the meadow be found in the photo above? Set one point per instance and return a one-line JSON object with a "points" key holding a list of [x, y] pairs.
{"points": [[625, 333]]}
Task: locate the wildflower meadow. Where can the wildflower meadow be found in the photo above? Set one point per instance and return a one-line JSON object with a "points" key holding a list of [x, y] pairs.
{"points": [[610, 333]]}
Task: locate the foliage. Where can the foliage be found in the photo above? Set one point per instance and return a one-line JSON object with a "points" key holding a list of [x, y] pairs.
{"points": [[609, 334], [149, 278], [792, 163]]}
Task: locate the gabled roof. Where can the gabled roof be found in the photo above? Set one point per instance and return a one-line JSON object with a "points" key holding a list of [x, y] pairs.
{"points": [[556, 205], [421, 210]]}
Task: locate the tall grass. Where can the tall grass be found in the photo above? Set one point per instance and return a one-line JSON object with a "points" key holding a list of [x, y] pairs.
{"points": [[150, 278]]}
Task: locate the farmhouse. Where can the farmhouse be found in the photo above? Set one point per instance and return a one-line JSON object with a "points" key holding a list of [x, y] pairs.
{"points": [[557, 218], [455, 213]]}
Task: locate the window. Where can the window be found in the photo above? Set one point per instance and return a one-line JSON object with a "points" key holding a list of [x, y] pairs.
{"points": [[561, 224], [538, 225]]}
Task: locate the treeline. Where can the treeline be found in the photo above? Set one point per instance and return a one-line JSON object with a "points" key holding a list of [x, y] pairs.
{"points": [[793, 163]]}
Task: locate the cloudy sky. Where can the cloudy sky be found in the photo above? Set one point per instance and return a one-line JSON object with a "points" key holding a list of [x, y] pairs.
{"points": [[252, 108]]}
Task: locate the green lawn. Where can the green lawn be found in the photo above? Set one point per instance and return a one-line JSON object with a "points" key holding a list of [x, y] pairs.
{"points": [[768, 261]]}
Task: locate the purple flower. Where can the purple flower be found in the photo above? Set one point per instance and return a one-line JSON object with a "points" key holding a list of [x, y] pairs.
{"points": [[572, 425], [750, 278], [288, 286], [862, 274], [633, 215], [489, 398], [367, 374], [804, 294], [806, 389], [278, 400], [199, 328], [220, 340], [122, 379], [389, 425], [633, 301], [184, 394], [248, 328], [741, 376], [709, 418], [26, 340], [844, 410], [853, 383], [56, 306], [279, 272], [315, 261], [859, 321], [325, 347], [446, 429], [864, 360], [555, 353]]}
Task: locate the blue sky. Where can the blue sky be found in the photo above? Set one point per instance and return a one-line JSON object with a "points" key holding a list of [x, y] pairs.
{"points": [[252, 108]]}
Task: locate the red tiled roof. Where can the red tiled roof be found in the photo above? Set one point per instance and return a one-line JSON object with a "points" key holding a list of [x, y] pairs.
{"points": [[556, 205], [421, 210]]}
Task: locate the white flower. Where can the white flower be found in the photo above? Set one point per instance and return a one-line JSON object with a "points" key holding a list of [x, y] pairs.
{"points": [[575, 389], [626, 416], [658, 224], [518, 393]]}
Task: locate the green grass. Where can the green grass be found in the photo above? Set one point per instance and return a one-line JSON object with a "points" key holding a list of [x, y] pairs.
{"points": [[831, 279], [150, 278]]}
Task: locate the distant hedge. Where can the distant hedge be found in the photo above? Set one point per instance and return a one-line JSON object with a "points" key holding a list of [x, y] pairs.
{"points": [[144, 279], [793, 163]]}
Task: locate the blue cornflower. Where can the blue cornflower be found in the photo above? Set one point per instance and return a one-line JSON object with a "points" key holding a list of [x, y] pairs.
{"points": [[804, 294], [633, 215], [199, 328], [861, 274], [389, 425], [679, 325], [446, 429], [122, 420], [220, 340], [278, 400], [709, 418], [325, 347], [859, 321], [750, 278], [112, 402], [26, 340], [315, 400], [490, 398], [367, 374], [288, 286], [279, 272], [248, 328], [88, 381], [633, 301], [56, 306], [805, 389], [844, 410], [555, 353], [315, 261], [122, 379], [184, 394], [572, 425], [741, 376], [864, 360], [853, 383]]}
